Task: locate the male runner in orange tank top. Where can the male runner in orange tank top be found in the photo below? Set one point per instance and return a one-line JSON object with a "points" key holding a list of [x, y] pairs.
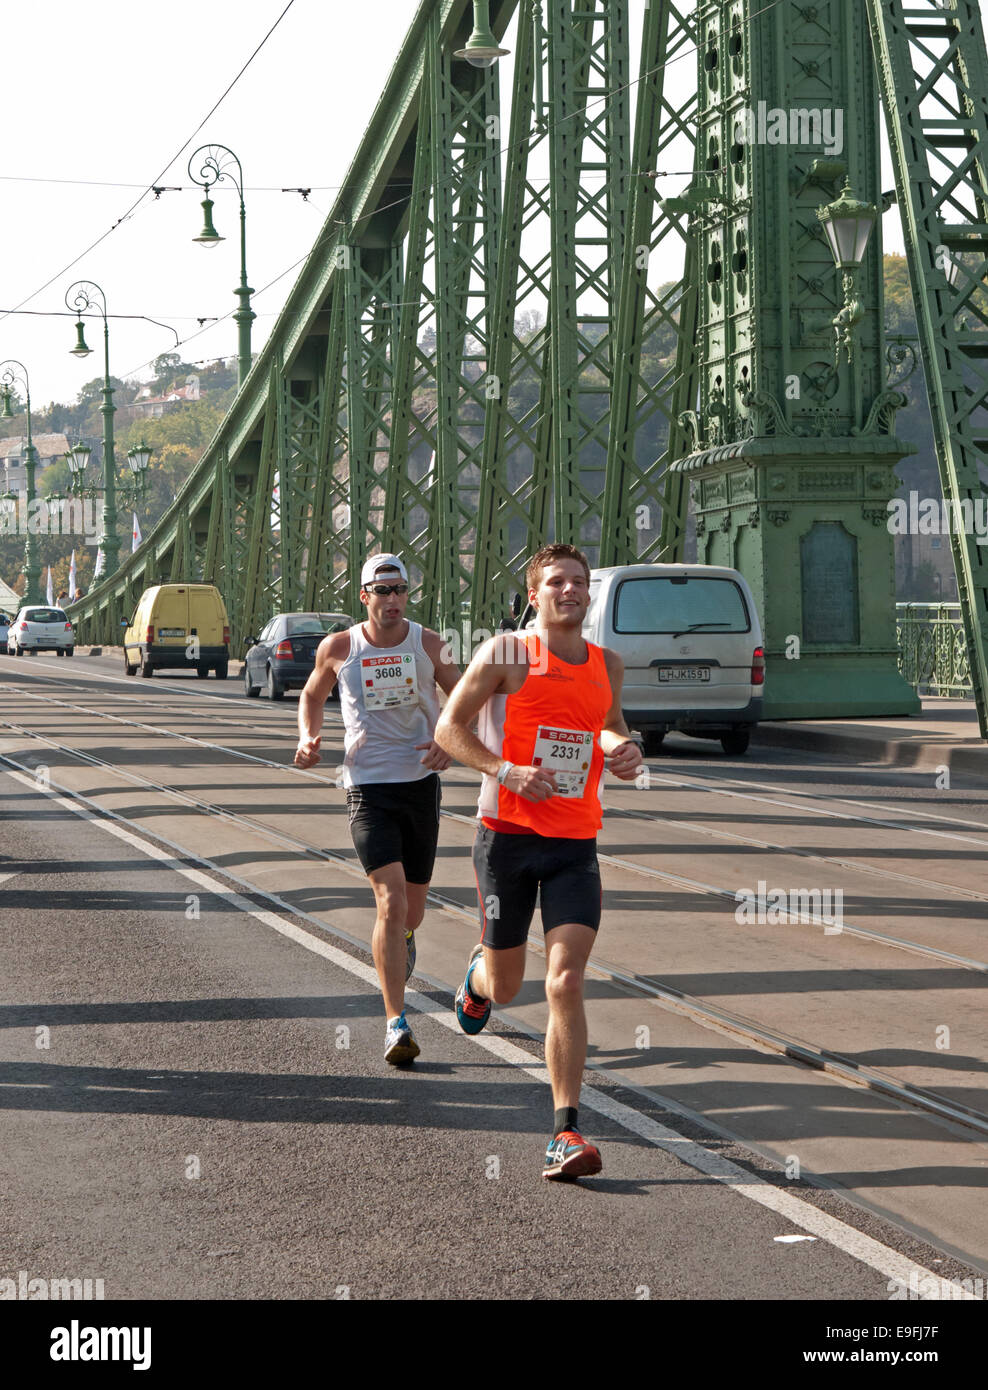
{"points": [[549, 708]]}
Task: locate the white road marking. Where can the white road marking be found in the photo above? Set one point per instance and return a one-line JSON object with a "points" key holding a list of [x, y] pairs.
{"points": [[885, 1261]]}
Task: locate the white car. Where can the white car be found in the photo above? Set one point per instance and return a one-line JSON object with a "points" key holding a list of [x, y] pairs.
{"points": [[38, 629], [4, 630], [691, 642]]}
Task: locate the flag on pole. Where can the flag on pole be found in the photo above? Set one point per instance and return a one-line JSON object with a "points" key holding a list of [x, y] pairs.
{"points": [[72, 583], [137, 533], [50, 592], [100, 562]]}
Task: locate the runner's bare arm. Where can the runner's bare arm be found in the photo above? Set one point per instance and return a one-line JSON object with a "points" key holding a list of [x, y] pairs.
{"points": [[623, 754], [434, 757], [484, 677], [330, 656], [447, 672], [481, 680]]}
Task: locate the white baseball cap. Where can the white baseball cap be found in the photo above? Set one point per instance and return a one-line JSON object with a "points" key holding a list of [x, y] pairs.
{"points": [[377, 562]]}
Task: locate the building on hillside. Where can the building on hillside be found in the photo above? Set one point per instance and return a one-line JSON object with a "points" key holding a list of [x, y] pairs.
{"points": [[49, 448], [148, 407]]}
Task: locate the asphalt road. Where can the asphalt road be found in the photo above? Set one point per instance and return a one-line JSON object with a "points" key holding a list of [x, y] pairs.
{"points": [[209, 1115]]}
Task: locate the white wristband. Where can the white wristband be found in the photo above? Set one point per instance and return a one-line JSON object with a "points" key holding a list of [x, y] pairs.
{"points": [[502, 772]]}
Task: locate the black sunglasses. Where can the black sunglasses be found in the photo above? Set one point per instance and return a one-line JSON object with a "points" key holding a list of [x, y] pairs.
{"points": [[382, 589]]}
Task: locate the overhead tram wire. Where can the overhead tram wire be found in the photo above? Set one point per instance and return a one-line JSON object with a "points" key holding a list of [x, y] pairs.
{"points": [[328, 187], [502, 150], [182, 188], [137, 202], [531, 139]]}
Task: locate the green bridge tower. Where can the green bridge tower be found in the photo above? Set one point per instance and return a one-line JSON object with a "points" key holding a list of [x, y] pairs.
{"points": [[794, 448], [794, 451]]}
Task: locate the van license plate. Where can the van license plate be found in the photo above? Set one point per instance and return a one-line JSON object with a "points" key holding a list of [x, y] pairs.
{"points": [[171, 632], [683, 674]]}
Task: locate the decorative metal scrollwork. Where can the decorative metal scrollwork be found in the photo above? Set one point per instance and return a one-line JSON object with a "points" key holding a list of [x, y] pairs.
{"points": [[766, 414], [881, 416], [690, 421], [901, 360], [822, 380], [217, 163]]}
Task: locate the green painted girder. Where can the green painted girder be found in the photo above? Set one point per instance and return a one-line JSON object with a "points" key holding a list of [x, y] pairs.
{"points": [[588, 190], [324, 561], [513, 512], [933, 75], [632, 489], [466, 219], [347, 403]]}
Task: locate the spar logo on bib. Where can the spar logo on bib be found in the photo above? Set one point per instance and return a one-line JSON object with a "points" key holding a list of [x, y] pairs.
{"points": [[388, 681], [567, 753]]}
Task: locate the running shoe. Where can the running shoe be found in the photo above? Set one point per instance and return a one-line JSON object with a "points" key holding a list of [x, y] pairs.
{"points": [[471, 1016], [400, 1046], [410, 949], [570, 1156]]}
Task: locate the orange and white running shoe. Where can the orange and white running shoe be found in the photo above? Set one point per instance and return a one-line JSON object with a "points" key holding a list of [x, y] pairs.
{"points": [[570, 1156]]}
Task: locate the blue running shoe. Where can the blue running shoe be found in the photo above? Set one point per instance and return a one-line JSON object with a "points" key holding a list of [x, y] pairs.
{"points": [[470, 1015], [400, 1046], [570, 1156], [410, 949]]}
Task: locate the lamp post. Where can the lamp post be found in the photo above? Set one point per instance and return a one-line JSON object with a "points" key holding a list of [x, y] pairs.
{"points": [[217, 163], [847, 225], [14, 373], [481, 49], [81, 297]]}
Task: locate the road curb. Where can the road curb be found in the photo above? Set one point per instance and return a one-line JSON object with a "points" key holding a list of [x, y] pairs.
{"points": [[904, 753]]}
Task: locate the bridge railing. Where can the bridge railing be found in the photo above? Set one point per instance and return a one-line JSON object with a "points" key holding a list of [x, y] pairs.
{"points": [[933, 654]]}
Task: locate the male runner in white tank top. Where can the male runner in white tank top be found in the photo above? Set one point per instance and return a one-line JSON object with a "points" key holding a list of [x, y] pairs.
{"points": [[387, 669]]}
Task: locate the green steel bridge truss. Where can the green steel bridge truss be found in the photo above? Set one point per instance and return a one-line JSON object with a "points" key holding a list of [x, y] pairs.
{"points": [[466, 366], [933, 78], [456, 375]]}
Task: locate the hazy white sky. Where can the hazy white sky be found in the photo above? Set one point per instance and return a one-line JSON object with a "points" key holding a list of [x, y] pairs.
{"points": [[106, 93]]}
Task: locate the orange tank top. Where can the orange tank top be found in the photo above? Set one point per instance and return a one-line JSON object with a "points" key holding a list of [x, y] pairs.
{"points": [[553, 721]]}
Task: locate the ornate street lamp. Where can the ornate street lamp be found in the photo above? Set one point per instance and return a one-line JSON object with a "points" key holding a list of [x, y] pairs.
{"points": [[14, 373], [78, 461], [82, 297], [210, 164], [139, 457], [482, 49], [86, 295], [847, 225]]}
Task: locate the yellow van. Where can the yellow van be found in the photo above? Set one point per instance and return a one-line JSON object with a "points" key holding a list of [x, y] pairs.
{"points": [[176, 626]]}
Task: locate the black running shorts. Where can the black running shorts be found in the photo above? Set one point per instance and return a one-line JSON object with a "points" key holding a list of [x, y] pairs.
{"points": [[396, 823], [513, 870]]}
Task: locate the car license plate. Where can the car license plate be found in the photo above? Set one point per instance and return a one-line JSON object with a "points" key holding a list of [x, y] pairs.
{"points": [[171, 632], [682, 675]]}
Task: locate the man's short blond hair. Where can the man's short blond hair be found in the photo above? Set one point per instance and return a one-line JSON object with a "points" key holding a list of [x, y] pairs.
{"points": [[549, 555]]}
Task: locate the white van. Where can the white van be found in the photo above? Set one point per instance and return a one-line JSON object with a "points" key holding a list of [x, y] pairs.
{"points": [[691, 643]]}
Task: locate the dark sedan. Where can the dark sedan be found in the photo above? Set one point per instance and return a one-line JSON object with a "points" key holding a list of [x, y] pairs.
{"points": [[282, 656]]}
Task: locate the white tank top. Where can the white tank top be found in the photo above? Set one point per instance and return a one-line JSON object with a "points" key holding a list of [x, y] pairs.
{"points": [[389, 704]]}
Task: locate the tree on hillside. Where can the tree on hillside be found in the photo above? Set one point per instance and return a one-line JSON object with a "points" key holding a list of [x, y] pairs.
{"points": [[179, 440]]}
